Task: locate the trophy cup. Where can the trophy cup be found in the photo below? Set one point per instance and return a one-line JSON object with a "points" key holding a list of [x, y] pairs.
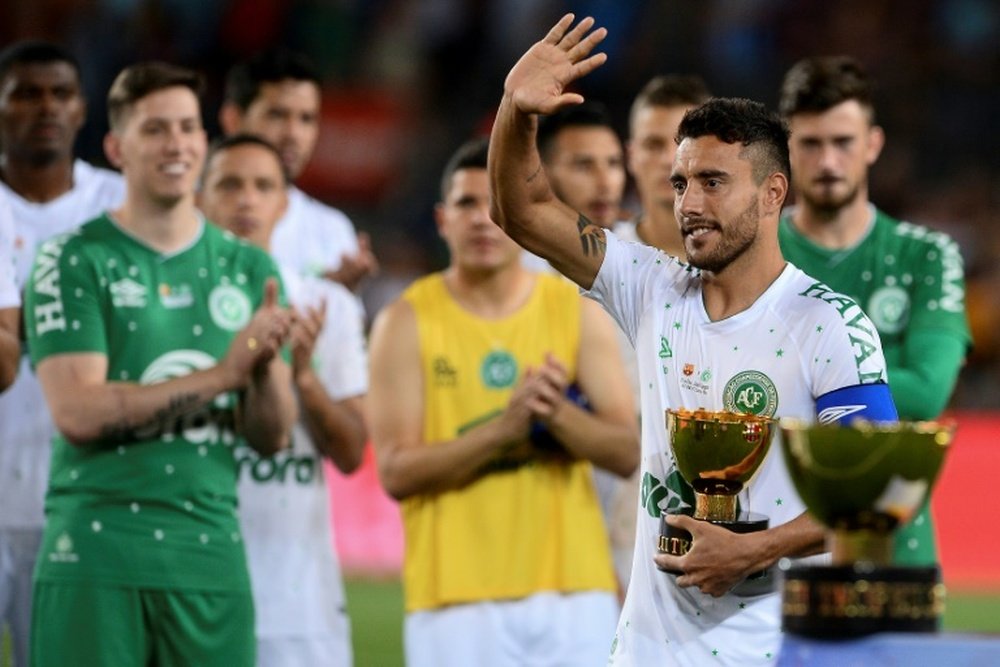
{"points": [[861, 482], [717, 453]]}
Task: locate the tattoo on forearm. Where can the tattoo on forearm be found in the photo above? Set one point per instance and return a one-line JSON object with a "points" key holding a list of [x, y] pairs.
{"points": [[161, 421], [534, 175], [591, 237]]}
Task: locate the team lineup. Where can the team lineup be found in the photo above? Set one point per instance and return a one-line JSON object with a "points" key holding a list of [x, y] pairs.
{"points": [[183, 349]]}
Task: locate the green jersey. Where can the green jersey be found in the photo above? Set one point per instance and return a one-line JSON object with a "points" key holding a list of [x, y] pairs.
{"points": [[910, 281], [158, 511]]}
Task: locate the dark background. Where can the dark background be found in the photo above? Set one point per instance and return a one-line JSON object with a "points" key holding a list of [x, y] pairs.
{"points": [[408, 80]]}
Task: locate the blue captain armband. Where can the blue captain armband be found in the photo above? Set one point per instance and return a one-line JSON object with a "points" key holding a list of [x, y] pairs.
{"points": [[865, 401]]}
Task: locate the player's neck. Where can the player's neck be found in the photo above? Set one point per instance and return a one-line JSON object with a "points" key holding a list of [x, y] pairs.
{"points": [[490, 294], [166, 228], [657, 226], [739, 285], [834, 229], [37, 183]]}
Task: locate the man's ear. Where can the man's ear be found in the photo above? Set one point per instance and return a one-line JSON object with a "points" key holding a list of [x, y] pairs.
{"points": [[439, 218], [230, 118], [876, 141], [113, 149], [775, 192]]}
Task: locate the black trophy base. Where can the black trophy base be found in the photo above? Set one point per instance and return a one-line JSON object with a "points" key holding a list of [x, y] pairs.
{"points": [[837, 602], [677, 541]]}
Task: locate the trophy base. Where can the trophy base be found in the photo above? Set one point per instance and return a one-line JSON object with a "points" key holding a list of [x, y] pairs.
{"points": [[677, 542], [832, 602]]}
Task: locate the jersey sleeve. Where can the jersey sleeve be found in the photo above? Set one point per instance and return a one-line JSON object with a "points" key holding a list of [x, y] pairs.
{"points": [[63, 302], [342, 355], [630, 276], [9, 296], [849, 351], [937, 301]]}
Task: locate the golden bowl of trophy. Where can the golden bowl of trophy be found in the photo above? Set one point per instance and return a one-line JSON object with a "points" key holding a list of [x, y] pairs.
{"points": [[862, 482], [716, 453]]}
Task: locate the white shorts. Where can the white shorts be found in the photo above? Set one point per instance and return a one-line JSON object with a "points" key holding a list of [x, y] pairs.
{"points": [[550, 629], [304, 651], [18, 552]]}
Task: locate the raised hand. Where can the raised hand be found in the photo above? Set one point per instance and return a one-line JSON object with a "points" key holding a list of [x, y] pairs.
{"points": [[258, 343], [537, 82], [305, 331], [354, 268]]}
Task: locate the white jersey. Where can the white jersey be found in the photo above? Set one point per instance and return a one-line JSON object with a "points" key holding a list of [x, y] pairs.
{"points": [[26, 429], [312, 237], [10, 295], [283, 501], [798, 341], [626, 230]]}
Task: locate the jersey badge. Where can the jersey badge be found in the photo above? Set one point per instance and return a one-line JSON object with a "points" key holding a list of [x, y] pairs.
{"points": [[179, 296], [498, 370], [229, 307], [889, 309], [751, 392]]}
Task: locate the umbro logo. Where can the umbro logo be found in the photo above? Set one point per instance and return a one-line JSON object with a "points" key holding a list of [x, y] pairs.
{"points": [[127, 293], [837, 412]]}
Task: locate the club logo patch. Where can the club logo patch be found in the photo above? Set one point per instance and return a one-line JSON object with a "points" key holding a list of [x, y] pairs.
{"points": [[889, 309], [498, 370], [751, 392], [229, 307]]}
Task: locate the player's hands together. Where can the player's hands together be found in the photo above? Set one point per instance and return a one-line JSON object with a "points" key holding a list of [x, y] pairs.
{"points": [[307, 325], [718, 559], [537, 82], [260, 340]]}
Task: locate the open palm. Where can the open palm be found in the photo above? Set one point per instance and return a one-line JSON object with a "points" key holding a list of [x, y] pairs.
{"points": [[537, 82]]}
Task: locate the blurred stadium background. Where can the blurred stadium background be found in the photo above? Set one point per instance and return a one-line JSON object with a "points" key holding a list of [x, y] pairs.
{"points": [[407, 80]]}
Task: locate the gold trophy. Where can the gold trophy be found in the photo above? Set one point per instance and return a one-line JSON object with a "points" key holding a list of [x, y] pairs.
{"points": [[717, 453], [862, 482]]}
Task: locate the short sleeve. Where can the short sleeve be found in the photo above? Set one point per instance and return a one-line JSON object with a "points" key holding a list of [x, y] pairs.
{"points": [[63, 302]]}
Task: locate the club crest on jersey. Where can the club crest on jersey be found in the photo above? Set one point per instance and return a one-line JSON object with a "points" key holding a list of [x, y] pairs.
{"points": [[889, 309], [689, 369], [229, 307], [498, 370], [751, 392]]}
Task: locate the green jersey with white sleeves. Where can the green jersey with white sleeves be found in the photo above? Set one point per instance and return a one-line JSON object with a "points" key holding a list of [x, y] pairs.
{"points": [[158, 510]]}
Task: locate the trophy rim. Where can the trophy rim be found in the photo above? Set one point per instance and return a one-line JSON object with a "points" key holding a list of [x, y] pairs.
{"points": [[923, 427], [718, 416]]}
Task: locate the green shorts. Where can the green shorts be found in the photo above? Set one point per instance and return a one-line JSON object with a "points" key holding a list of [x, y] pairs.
{"points": [[88, 624]]}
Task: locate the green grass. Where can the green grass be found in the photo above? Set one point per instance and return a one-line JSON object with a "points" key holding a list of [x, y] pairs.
{"points": [[376, 611]]}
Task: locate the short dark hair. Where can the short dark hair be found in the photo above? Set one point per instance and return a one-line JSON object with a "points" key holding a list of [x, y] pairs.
{"points": [[470, 155], [137, 81], [245, 139], [587, 114], [814, 85], [244, 79], [29, 52], [670, 90], [763, 134]]}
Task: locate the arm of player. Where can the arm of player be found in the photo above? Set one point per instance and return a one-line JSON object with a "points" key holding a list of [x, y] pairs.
{"points": [[10, 346], [407, 464], [336, 427], [523, 202], [719, 559], [267, 409], [923, 381], [609, 436]]}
